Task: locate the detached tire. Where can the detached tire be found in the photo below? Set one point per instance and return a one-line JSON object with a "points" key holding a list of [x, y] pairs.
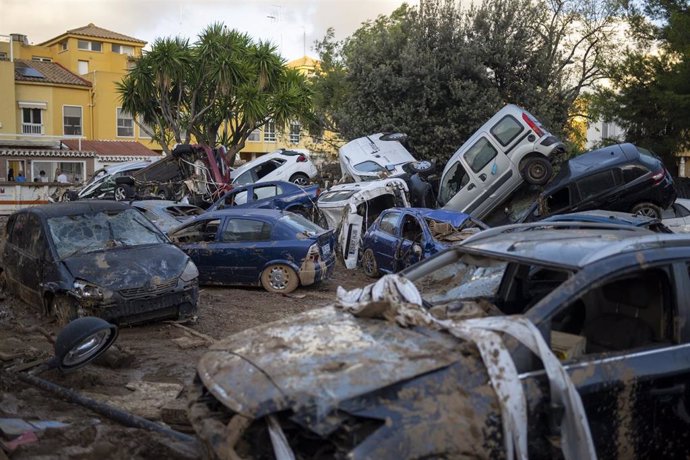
{"points": [[300, 179], [371, 269], [647, 209], [279, 278], [537, 170], [64, 308], [123, 192]]}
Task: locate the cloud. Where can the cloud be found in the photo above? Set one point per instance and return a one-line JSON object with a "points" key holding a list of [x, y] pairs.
{"points": [[292, 25]]}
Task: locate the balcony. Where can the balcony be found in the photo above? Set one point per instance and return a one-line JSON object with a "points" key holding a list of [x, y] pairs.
{"points": [[32, 128]]}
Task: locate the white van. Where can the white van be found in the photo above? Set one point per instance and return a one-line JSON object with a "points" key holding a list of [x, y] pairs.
{"points": [[509, 148]]}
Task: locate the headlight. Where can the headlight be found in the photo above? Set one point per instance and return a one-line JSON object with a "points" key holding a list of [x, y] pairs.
{"points": [[190, 272], [87, 291]]}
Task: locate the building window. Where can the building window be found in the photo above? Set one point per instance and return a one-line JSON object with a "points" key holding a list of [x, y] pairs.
{"points": [[3, 56], [63, 45], [255, 136], [89, 45], [31, 121], [123, 49], [125, 124], [83, 67], [144, 129], [295, 129], [71, 116], [270, 131], [41, 59]]}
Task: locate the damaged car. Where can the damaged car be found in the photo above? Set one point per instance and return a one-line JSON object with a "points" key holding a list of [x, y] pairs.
{"points": [[583, 332], [401, 237], [166, 214], [375, 156], [621, 177], [286, 165], [277, 250], [97, 258], [509, 149], [350, 209]]}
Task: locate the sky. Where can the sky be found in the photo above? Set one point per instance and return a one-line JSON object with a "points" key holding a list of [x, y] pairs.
{"points": [[292, 25]]}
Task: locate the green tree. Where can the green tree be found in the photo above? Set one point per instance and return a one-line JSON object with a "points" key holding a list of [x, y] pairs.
{"points": [[217, 90], [438, 73], [650, 92]]}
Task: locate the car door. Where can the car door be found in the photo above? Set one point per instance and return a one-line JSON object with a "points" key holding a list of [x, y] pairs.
{"points": [[25, 253], [386, 241], [246, 247], [492, 171], [199, 241], [624, 358]]}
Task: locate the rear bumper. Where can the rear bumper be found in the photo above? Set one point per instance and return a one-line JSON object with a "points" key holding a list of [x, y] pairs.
{"points": [[314, 272]]}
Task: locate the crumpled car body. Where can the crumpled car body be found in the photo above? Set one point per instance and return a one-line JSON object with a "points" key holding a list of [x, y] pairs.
{"points": [[374, 157], [677, 216], [278, 250], [166, 214], [97, 258], [102, 183], [327, 384], [282, 195], [351, 208], [401, 237], [285, 165]]}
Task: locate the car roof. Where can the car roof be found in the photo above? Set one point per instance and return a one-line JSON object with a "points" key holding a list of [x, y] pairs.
{"points": [[153, 204], [602, 216], [566, 246], [244, 212], [590, 162], [371, 148], [267, 156], [454, 218], [74, 208], [137, 164]]}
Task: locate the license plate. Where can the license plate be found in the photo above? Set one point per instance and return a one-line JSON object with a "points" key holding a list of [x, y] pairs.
{"points": [[326, 250]]}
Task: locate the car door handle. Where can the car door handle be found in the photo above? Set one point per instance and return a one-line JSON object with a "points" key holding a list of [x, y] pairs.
{"points": [[482, 177], [668, 391], [470, 187]]}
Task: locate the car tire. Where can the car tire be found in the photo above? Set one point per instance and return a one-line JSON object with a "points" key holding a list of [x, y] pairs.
{"points": [[279, 278], [537, 170], [64, 308], [647, 209], [369, 265], [300, 179], [123, 192]]}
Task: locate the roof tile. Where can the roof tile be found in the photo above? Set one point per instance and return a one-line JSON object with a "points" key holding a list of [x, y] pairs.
{"points": [[112, 148]]}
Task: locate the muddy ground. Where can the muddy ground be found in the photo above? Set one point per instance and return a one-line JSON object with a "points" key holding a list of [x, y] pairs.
{"points": [[153, 364]]}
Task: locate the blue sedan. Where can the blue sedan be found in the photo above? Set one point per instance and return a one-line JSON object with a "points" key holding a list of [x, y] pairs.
{"points": [[271, 195], [257, 247], [401, 237]]}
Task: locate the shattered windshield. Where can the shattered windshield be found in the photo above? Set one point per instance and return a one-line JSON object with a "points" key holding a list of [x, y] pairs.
{"points": [[103, 230], [300, 224], [336, 196], [467, 278]]}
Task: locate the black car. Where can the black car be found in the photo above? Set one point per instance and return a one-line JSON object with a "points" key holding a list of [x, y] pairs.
{"points": [[612, 303], [97, 258], [619, 177]]}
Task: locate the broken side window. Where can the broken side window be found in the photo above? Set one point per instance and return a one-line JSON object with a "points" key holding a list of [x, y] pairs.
{"points": [[389, 223], [198, 232], [411, 230], [454, 181]]}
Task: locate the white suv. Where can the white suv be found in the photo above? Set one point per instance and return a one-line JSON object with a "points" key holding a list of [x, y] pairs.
{"points": [[287, 165], [509, 148]]}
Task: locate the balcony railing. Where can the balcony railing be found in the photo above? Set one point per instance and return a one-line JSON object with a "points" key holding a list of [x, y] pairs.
{"points": [[32, 128]]}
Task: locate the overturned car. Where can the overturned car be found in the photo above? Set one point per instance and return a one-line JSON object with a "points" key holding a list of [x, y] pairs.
{"points": [[411, 374], [351, 208]]}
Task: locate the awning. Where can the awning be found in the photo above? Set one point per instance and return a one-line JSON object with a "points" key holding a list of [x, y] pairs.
{"points": [[49, 153], [32, 105]]}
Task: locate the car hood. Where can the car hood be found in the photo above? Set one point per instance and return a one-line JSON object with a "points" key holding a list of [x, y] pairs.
{"points": [[128, 267], [321, 357]]}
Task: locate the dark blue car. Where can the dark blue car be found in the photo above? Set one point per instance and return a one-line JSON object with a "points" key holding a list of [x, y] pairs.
{"points": [[257, 247], [401, 237], [271, 195]]}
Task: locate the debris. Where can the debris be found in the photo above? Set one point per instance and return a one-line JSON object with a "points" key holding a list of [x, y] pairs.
{"points": [[146, 398], [295, 296], [209, 339], [174, 414], [186, 342], [115, 358], [27, 437], [14, 426]]}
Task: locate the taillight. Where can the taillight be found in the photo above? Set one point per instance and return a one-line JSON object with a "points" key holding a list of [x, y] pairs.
{"points": [[658, 176], [301, 158], [313, 253], [530, 122]]}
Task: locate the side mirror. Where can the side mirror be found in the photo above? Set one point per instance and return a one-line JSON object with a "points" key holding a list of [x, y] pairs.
{"points": [[82, 341]]}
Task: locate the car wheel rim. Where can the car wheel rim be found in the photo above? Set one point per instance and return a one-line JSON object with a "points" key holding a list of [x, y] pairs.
{"points": [[300, 180], [537, 171], [646, 212], [278, 278], [119, 194], [368, 264]]}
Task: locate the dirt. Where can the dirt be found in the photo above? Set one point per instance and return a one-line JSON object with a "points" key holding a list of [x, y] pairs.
{"points": [[156, 354]]}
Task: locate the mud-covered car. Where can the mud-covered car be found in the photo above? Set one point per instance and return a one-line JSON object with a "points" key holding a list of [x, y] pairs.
{"points": [[166, 214], [351, 208], [610, 301], [401, 237], [278, 250], [97, 258]]}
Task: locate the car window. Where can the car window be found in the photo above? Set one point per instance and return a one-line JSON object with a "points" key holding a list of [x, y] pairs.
{"points": [[595, 184], [453, 182], [265, 191], [680, 210], [632, 172], [184, 211], [102, 230], [27, 234], [245, 178], [389, 223], [18, 232], [480, 154], [558, 200], [411, 229], [240, 230], [198, 232], [369, 166], [507, 129], [267, 167], [300, 224]]}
